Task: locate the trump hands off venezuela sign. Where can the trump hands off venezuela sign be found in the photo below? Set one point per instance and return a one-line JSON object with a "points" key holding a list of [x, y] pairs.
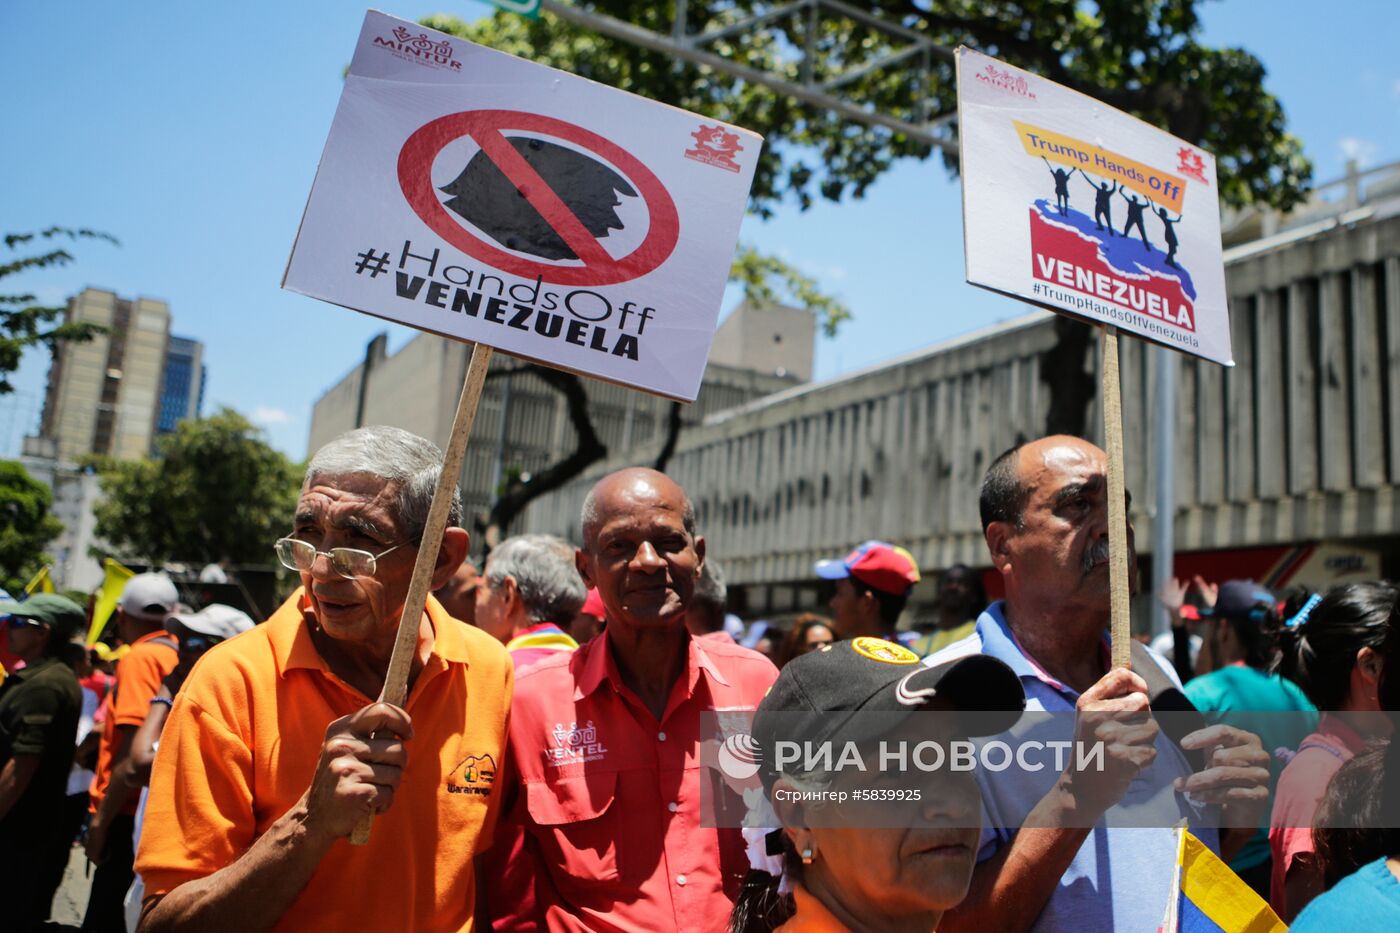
{"points": [[1087, 211]]}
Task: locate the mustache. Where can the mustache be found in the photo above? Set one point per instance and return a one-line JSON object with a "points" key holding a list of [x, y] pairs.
{"points": [[1097, 554]]}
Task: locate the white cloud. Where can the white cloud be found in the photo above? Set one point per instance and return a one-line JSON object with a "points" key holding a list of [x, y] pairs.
{"points": [[836, 273], [264, 414], [1362, 150]]}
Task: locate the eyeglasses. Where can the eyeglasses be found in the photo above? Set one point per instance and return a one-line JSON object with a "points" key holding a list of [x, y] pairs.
{"points": [[299, 555], [25, 621]]}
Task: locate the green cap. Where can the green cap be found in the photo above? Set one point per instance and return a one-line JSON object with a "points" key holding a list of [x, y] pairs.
{"points": [[65, 617]]}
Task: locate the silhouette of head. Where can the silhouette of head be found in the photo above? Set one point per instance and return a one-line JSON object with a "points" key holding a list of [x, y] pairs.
{"points": [[486, 198]]}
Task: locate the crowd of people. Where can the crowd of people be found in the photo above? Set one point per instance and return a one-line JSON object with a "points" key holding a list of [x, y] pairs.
{"points": [[549, 767]]}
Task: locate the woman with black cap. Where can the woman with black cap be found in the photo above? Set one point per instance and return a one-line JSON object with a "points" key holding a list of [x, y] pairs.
{"points": [[902, 856]]}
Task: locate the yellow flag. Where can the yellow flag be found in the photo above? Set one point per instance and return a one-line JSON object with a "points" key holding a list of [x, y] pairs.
{"points": [[107, 597], [1210, 898], [42, 583]]}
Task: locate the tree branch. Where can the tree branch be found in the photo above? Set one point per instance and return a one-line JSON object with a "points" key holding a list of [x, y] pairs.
{"points": [[519, 494], [673, 433]]}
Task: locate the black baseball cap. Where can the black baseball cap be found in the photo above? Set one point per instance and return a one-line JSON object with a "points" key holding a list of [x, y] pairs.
{"points": [[1241, 599], [871, 675]]}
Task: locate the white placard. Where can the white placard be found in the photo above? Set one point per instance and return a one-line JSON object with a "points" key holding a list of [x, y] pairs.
{"points": [[1083, 209], [480, 196]]}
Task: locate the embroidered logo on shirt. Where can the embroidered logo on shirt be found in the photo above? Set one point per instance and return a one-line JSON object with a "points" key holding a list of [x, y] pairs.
{"points": [[575, 744], [473, 775], [877, 649]]}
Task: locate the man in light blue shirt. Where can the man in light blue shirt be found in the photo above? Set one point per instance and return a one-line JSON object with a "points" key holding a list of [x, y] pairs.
{"points": [[1045, 518]]}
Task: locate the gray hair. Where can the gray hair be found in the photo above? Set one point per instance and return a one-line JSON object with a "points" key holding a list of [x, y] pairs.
{"points": [[544, 573], [412, 463]]}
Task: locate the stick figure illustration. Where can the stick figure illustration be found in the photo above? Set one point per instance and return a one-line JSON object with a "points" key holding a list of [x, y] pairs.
{"points": [[1135, 209], [1169, 231], [1062, 176], [1103, 202]]}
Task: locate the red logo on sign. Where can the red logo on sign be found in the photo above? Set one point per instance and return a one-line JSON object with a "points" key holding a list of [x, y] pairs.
{"points": [[485, 128], [1191, 164], [714, 145]]}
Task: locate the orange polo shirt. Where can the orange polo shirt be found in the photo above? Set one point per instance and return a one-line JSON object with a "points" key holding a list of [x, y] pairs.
{"points": [[604, 810], [139, 675], [242, 742]]}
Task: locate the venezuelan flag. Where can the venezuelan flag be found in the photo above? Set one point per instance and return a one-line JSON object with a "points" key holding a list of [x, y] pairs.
{"points": [[1210, 898]]}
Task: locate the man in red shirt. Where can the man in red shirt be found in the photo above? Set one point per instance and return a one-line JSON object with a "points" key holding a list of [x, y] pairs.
{"points": [[603, 777], [145, 602]]}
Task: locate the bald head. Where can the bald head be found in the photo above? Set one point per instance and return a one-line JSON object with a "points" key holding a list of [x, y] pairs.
{"points": [[640, 550], [1011, 476], [1045, 511], [629, 489]]}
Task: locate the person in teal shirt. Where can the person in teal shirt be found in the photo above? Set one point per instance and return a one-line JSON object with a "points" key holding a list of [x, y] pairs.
{"points": [[1241, 641]]}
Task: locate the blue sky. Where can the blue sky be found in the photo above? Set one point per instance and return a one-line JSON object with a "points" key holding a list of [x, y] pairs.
{"points": [[192, 131]]}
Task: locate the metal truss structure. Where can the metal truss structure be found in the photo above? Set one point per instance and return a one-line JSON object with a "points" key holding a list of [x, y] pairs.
{"points": [[898, 48]]}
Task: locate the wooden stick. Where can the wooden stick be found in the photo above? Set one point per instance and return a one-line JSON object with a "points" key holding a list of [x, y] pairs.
{"points": [[406, 643], [1120, 626]]}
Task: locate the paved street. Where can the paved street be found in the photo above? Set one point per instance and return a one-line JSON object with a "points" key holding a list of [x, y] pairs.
{"points": [[71, 899]]}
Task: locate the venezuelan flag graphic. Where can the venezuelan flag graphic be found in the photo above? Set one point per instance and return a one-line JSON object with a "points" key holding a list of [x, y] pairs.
{"points": [[1208, 897]]}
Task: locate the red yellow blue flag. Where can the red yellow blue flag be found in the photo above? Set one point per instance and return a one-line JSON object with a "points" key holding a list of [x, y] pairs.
{"points": [[1208, 897]]}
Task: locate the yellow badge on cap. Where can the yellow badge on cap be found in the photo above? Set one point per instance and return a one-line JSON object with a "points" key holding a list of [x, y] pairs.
{"points": [[877, 649]]}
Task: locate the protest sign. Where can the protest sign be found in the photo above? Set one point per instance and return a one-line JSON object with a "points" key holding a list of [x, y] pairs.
{"points": [[480, 196], [1084, 210], [1080, 208], [474, 194]]}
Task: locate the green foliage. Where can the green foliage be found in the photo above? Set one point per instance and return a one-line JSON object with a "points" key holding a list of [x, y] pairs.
{"points": [[23, 323], [770, 280], [26, 526], [216, 490], [1143, 56]]}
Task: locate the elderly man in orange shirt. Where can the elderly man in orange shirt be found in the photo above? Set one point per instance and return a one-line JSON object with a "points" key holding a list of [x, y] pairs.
{"points": [[605, 825], [275, 748]]}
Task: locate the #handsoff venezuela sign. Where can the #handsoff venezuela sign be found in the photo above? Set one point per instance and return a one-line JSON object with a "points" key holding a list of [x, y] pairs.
{"points": [[476, 195], [1080, 208]]}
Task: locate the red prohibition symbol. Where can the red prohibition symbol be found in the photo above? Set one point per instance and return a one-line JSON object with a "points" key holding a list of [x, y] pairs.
{"points": [[485, 128]]}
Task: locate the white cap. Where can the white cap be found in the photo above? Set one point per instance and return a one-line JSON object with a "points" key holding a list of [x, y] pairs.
{"points": [[149, 596], [216, 619]]}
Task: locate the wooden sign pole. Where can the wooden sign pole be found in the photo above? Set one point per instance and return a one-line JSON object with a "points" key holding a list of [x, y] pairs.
{"points": [[1120, 627], [406, 643]]}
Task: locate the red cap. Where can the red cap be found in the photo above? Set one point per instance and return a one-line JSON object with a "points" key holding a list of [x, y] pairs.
{"points": [[877, 564]]}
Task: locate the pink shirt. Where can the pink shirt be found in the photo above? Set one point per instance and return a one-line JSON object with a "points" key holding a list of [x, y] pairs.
{"points": [[1300, 790], [603, 808]]}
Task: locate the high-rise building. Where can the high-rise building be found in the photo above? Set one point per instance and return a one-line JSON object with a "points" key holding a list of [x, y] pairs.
{"points": [[182, 391], [102, 393]]}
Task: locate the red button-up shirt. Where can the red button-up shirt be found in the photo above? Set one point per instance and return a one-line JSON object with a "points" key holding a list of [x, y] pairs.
{"points": [[603, 829]]}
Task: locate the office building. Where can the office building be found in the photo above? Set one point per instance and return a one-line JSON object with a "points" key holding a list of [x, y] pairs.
{"points": [[182, 388]]}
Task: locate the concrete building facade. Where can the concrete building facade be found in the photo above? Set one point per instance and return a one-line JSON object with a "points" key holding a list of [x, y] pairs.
{"points": [[75, 492], [522, 424]]}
